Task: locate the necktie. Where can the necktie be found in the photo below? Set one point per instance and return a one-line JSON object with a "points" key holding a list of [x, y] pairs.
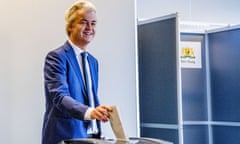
{"points": [[87, 76]]}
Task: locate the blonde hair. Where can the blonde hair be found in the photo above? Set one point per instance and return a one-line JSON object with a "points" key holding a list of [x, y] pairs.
{"points": [[72, 12]]}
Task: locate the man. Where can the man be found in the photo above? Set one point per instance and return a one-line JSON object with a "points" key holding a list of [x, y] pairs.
{"points": [[72, 104]]}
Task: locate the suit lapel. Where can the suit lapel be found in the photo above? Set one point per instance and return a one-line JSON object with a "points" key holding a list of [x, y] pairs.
{"points": [[74, 63]]}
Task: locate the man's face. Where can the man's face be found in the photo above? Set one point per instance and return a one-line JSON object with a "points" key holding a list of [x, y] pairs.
{"points": [[83, 28]]}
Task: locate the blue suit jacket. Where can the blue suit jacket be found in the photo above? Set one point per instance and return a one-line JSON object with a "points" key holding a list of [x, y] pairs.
{"points": [[66, 99]]}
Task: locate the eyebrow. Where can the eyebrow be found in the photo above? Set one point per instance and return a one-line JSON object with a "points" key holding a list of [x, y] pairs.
{"points": [[87, 20]]}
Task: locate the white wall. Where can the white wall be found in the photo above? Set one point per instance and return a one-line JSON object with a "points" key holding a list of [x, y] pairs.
{"points": [[29, 29], [212, 11], [115, 47]]}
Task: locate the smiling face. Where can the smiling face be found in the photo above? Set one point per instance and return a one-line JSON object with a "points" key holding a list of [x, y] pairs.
{"points": [[83, 29]]}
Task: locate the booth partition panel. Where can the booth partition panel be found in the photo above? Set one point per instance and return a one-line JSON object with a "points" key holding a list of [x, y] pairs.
{"points": [[194, 95], [196, 134], [194, 84], [224, 50], [157, 51]]}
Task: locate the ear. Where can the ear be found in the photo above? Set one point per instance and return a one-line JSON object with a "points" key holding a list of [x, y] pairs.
{"points": [[69, 28]]}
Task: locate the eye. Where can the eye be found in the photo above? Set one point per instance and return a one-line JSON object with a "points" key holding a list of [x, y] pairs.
{"points": [[93, 23], [83, 22]]}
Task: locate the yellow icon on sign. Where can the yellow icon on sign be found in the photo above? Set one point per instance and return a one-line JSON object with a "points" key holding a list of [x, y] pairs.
{"points": [[187, 52]]}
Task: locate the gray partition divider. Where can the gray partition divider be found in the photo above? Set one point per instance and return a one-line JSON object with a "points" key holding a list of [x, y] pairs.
{"points": [[194, 84], [158, 79], [196, 99], [224, 54]]}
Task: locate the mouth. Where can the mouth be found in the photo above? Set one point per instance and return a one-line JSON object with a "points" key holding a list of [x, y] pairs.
{"points": [[88, 33]]}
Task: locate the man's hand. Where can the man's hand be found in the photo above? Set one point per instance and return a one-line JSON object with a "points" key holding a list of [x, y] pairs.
{"points": [[101, 113]]}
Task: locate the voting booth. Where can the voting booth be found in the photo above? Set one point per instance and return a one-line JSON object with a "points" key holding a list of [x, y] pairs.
{"points": [[189, 81]]}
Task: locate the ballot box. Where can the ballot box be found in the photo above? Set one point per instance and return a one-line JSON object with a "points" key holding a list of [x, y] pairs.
{"points": [[131, 140], [120, 136]]}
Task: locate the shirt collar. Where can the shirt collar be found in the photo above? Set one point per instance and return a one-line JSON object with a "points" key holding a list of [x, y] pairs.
{"points": [[77, 50]]}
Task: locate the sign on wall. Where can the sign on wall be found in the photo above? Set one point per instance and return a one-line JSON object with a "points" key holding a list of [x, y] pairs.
{"points": [[190, 54]]}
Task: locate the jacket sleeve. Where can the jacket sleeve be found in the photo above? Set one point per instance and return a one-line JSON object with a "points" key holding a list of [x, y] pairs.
{"points": [[57, 88]]}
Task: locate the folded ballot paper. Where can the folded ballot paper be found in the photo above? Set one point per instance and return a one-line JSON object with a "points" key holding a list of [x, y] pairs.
{"points": [[117, 125]]}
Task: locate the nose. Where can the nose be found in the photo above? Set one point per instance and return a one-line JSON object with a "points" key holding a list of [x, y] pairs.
{"points": [[89, 26]]}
